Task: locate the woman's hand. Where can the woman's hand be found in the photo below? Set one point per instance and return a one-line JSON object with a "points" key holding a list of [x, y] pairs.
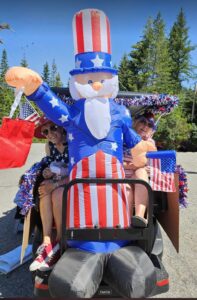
{"points": [[47, 173], [46, 187]]}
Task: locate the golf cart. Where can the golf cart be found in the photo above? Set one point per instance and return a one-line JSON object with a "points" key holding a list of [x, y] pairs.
{"points": [[147, 240]]}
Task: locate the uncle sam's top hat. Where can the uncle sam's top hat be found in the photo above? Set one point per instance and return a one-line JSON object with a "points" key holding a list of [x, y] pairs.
{"points": [[91, 32]]}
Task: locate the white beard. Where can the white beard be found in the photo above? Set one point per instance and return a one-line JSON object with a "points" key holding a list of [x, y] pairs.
{"points": [[97, 117]]}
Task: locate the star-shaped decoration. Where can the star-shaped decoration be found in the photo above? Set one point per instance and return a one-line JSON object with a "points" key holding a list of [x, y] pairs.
{"points": [[54, 102], [97, 61], [122, 136], [114, 146], [77, 63], [72, 161], [63, 118], [70, 137]]}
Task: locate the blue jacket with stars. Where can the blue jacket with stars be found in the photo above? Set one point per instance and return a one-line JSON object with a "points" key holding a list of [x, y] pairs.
{"points": [[81, 143]]}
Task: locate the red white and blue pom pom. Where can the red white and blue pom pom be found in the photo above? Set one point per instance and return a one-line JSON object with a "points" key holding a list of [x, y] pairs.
{"points": [[183, 186]]}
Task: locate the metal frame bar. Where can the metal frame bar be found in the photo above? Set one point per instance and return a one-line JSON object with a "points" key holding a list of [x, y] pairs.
{"points": [[96, 234]]}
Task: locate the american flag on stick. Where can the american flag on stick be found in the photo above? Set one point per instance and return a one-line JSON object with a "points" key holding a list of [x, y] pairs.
{"points": [[27, 112], [162, 167]]}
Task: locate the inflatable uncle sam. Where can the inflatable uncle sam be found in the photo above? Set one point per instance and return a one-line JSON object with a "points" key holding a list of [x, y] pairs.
{"points": [[96, 129]]}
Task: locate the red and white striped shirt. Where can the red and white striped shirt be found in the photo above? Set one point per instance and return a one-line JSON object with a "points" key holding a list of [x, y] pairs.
{"points": [[98, 205]]}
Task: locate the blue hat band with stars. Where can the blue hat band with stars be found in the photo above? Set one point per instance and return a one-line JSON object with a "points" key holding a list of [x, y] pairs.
{"points": [[93, 62]]}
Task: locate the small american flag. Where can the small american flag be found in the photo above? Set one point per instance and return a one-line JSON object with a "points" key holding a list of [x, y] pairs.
{"points": [[27, 112], [162, 167]]}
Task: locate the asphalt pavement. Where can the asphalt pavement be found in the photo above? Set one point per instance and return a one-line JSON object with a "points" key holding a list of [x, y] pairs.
{"points": [[182, 266]]}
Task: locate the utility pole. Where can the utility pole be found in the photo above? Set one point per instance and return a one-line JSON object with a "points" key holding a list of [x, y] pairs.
{"points": [[194, 100]]}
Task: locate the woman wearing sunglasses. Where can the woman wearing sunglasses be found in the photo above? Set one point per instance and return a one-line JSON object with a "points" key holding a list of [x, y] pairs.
{"points": [[50, 192], [145, 126]]}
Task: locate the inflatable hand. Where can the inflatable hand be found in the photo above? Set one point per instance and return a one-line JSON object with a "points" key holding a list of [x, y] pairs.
{"points": [[139, 153], [23, 77]]}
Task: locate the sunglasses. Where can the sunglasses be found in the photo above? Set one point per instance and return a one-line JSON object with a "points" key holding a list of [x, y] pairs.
{"points": [[52, 128]]}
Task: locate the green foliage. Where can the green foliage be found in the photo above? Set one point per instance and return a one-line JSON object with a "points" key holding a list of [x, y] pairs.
{"points": [[6, 101], [3, 65], [141, 58], [24, 62], [53, 73], [46, 73], [173, 130], [188, 103], [125, 75], [58, 82], [150, 64], [179, 50]]}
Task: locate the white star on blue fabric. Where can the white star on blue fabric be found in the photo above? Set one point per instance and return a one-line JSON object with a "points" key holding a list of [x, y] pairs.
{"points": [[114, 146], [63, 118], [54, 102], [97, 61], [72, 161], [70, 137], [78, 63]]}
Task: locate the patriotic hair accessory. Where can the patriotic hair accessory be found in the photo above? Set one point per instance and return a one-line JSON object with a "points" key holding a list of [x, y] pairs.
{"points": [[91, 32], [147, 118]]}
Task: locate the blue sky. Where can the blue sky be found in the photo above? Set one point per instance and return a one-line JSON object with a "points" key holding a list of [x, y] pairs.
{"points": [[42, 30]]}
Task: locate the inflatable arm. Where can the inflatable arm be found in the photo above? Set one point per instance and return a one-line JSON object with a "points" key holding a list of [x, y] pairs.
{"points": [[139, 153], [36, 90]]}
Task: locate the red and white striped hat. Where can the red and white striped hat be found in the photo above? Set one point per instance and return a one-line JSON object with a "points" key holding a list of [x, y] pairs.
{"points": [[91, 32]]}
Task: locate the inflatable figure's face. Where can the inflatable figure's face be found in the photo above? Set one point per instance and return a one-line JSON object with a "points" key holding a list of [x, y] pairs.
{"points": [[95, 84]]}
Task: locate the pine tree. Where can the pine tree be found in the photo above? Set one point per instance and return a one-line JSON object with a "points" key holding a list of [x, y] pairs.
{"points": [[141, 58], [24, 62], [124, 74], [150, 62], [46, 73], [3, 65], [53, 73], [161, 67], [179, 51], [58, 82]]}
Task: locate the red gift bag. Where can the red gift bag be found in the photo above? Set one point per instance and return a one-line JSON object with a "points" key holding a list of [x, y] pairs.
{"points": [[15, 141]]}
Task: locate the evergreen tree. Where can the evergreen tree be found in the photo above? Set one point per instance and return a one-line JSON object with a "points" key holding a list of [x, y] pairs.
{"points": [[161, 82], [3, 65], [179, 51], [46, 73], [6, 101], [53, 73], [173, 130], [24, 62], [150, 62], [124, 74], [141, 58], [58, 82]]}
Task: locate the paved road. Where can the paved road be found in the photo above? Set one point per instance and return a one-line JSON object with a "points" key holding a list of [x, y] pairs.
{"points": [[182, 267]]}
